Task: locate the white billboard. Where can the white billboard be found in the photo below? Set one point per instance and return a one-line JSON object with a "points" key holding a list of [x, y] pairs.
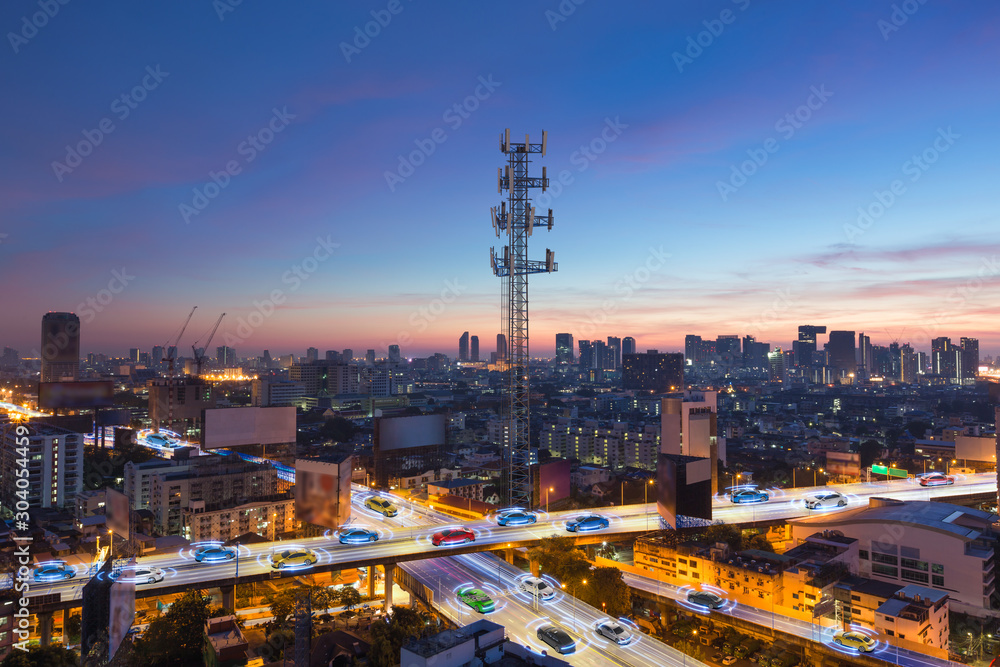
{"points": [[416, 431], [231, 427], [122, 609]]}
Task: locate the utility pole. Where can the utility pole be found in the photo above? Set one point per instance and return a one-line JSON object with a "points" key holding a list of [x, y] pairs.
{"points": [[514, 221]]}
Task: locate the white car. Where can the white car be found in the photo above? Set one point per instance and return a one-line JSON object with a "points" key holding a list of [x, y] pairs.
{"points": [[614, 631], [826, 499], [538, 588], [142, 575]]}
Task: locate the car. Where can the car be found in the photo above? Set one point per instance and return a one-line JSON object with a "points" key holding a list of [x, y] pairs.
{"points": [[614, 631], [140, 575], [537, 587], [477, 599], [705, 599], [749, 496], [587, 523], [357, 536], [53, 570], [851, 639], [825, 499], [382, 506], [936, 479], [450, 536], [557, 638], [160, 440], [718, 657], [728, 660], [516, 518], [214, 553], [293, 557]]}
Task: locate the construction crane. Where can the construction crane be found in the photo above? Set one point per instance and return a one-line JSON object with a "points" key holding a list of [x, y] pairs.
{"points": [[171, 351], [200, 356]]}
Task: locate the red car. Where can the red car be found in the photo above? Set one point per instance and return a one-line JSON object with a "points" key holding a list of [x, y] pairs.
{"points": [[453, 536], [936, 479]]}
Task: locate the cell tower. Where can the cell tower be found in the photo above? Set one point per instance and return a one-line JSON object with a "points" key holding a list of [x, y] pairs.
{"points": [[514, 220]]}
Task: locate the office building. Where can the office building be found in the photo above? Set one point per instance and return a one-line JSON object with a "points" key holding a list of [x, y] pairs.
{"points": [[586, 357], [841, 353], [805, 347], [628, 345], [692, 348], [191, 396], [501, 346], [347, 355], [370, 357], [970, 360], [689, 427], [395, 356], [474, 348], [60, 347], [615, 353], [323, 378], [312, 355], [564, 348], [133, 355], [658, 373], [225, 356], [463, 347], [943, 357], [157, 356], [269, 392], [728, 349], [55, 465], [866, 364], [776, 364]]}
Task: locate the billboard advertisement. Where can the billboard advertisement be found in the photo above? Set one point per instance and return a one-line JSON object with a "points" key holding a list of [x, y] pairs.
{"points": [[231, 427], [845, 464], [683, 488], [976, 448], [118, 512], [76, 395], [404, 432], [122, 600], [323, 491]]}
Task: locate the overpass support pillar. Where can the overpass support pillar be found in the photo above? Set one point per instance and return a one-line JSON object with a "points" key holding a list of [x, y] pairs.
{"points": [[535, 568], [508, 555], [65, 625], [45, 627], [228, 597], [390, 571], [371, 581]]}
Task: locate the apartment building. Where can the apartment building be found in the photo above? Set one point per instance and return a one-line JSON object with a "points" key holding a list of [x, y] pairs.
{"points": [[615, 445], [54, 460]]}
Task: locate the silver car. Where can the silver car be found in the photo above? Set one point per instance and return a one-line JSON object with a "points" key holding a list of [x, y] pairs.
{"points": [[537, 587], [614, 631], [826, 499]]}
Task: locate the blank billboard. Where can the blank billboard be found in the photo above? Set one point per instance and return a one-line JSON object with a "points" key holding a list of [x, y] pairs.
{"points": [[117, 510], [404, 432], [122, 610], [683, 488], [323, 492], [78, 395], [843, 463], [230, 427], [973, 448]]}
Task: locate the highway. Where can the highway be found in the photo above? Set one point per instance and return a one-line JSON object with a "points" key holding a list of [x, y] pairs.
{"points": [[407, 536], [765, 618], [517, 612]]}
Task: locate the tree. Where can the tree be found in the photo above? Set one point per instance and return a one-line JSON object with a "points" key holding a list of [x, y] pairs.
{"points": [[72, 628], [607, 586], [349, 597], [727, 533], [52, 655], [282, 605], [338, 429], [759, 542], [176, 638], [559, 557], [389, 636], [868, 451]]}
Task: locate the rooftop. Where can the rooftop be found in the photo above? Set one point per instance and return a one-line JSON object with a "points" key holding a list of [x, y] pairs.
{"points": [[448, 639]]}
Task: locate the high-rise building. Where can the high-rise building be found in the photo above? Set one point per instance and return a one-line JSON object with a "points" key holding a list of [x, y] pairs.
{"points": [[586, 354], [628, 345], [970, 359], [659, 373], [133, 355], [692, 347], [501, 347], [866, 364], [805, 347], [333, 356], [474, 348], [615, 352], [688, 427], [841, 352], [728, 349], [347, 356], [564, 348], [370, 357], [394, 354], [907, 364], [157, 356], [312, 354], [602, 358], [11, 358], [463, 347], [776, 361], [55, 469], [943, 357], [226, 356], [60, 350]]}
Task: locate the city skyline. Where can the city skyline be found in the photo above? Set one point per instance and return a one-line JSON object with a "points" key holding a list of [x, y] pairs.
{"points": [[850, 189]]}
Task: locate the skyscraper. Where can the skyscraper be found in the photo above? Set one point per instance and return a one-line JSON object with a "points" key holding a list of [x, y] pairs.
{"points": [[60, 350], [394, 355], [628, 345], [157, 354], [841, 349], [970, 359], [728, 349], [347, 356], [463, 347], [866, 365], [474, 348], [370, 357], [615, 352], [659, 373], [776, 360], [942, 356], [312, 354], [586, 354], [564, 348], [805, 347], [133, 355], [501, 346], [692, 348]]}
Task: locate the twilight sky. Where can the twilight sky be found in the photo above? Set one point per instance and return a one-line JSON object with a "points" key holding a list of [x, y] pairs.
{"points": [[714, 154]]}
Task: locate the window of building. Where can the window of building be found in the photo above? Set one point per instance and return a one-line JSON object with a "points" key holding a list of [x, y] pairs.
{"points": [[937, 581], [883, 558], [937, 569], [856, 598], [885, 570], [914, 564], [862, 554], [909, 575]]}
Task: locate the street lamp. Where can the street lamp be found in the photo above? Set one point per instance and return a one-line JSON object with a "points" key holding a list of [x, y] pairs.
{"points": [[111, 545], [547, 492], [645, 499]]}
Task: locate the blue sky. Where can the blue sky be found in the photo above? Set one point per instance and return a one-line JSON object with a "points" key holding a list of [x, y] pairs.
{"points": [[866, 92]]}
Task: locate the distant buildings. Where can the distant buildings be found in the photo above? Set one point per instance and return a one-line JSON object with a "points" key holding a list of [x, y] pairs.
{"points": [[60, 347], [463, 347], [628, 345], [564, 348], [842, 358], [614, 445], [655, 372], [501, 347]]}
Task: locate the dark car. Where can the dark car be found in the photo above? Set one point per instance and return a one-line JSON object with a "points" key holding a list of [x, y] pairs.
{"points": [[516, 518], [557, 639], [212, 553], [705, 599], [451, 536], [749, 496], [587, 523], [357, 536]]}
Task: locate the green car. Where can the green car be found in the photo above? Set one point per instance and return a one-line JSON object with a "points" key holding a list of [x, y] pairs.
{"points": [[477, 599]]}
